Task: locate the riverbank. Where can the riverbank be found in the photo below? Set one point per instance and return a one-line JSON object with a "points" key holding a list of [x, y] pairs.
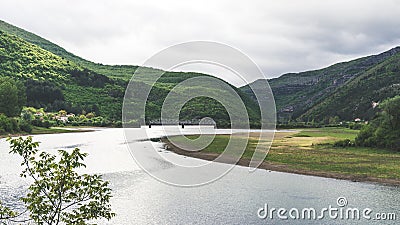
{"points": [[310, 152], [51, 130]]}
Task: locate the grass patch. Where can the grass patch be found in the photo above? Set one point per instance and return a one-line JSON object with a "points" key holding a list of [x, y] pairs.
{"points": [[52, 130], [332, 132], [312, 150]]}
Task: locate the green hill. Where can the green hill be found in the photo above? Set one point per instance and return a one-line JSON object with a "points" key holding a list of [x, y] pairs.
{"points": [[345, 89], [354, 100], [56, 79], [56, 83], [119, 71]]}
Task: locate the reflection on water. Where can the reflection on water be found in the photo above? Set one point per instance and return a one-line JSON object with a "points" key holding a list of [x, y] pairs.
{"points": [[234, 199]]}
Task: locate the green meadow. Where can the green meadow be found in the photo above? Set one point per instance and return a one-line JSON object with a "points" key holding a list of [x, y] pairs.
{"points": [[313, 150]]}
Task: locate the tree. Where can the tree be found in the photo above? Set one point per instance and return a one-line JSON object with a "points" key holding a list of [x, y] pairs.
{"points": [[384, 130], [6, 214], [12, 96], [392, 108], [59, 195]]}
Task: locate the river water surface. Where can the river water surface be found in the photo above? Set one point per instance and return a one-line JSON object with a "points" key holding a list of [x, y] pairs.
{"points": [[233, 199]]}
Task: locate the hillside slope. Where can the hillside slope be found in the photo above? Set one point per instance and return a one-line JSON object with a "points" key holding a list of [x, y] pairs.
{"points": [[356, 99], [55, 83], [56, 79], [117, 71], [306, 93]]}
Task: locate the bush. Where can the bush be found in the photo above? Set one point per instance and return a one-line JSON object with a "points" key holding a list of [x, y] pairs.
{"points": [[25, 126], [13, 125], [46, 124], [355, 126], [344, 143], [6, 124]]}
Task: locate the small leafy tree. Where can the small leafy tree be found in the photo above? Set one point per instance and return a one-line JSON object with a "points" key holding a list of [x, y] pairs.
{"points": [[59, 195]]}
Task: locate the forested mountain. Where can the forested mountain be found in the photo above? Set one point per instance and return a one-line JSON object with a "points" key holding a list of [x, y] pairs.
{"points": [[56, 79], [345, 90]]}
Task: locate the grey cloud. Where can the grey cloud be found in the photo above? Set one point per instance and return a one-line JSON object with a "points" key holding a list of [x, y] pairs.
{"points": [[281, 36]]}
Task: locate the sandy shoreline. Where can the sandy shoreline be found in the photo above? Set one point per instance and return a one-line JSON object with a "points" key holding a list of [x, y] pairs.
{"points": [[281, 167]]}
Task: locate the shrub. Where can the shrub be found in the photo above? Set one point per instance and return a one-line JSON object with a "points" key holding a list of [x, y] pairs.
{"points": [[355, 126], [6, 124], [14, 125], [344, 143], [25, 126], [46, 124]]}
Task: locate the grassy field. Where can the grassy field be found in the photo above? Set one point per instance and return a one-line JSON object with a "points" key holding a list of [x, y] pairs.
{"points": [[312, 150]]}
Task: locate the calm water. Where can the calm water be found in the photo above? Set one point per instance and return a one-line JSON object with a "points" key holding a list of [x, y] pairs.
{"points": [[234, 199]]}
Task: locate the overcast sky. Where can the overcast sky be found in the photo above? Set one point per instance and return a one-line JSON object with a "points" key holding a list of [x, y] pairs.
{"points": [[280, 36]]}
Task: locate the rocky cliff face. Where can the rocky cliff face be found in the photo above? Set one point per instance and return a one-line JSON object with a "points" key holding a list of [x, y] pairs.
{"points": [[296, 93]]}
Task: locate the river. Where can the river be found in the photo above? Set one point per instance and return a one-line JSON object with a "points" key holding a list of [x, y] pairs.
{"points": [[236, 198]]}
